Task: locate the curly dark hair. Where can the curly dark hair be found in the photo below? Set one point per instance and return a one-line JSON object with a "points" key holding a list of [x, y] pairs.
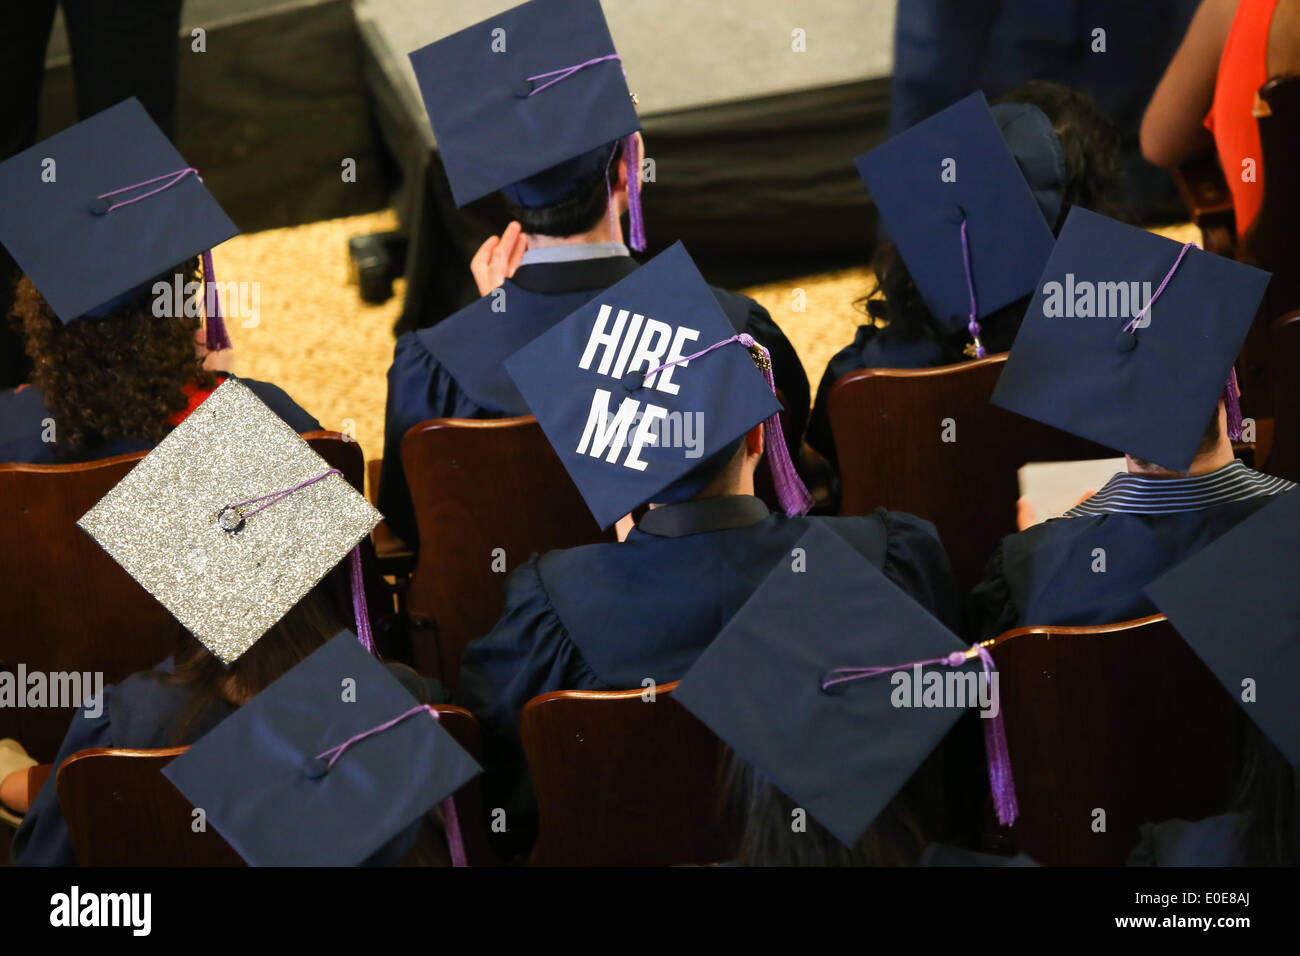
{"points": [[120, 375]]}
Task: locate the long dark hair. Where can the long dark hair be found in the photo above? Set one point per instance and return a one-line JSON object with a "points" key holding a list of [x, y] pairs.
{"points": [[1268, 799], [120, 375], [308, 625], [1090, 144], [759, 820]]}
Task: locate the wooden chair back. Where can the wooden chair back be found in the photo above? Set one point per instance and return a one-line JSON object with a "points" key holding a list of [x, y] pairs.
{"points": [[487, 496], [1284, 455], [1110, 726], [69, 606], [622, 780], [927, 441], [121, 811]]}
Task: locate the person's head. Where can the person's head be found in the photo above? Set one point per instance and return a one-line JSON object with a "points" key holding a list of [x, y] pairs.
{"points": [[766, 828], [1089, 146], [585, 208], [1268, 797], [307, 626], [1213, 452], [118, 375]]}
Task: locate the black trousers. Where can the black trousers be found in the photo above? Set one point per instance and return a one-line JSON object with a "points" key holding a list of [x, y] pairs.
{"points": [[120, 48]]}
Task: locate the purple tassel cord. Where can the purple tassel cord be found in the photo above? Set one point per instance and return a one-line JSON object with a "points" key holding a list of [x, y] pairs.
{"points": [[973, 325], [996, 752], [1232, 403], [636, 224], [636, 227], [455, 839], [359, 609], [214, 324], [790, 489]]}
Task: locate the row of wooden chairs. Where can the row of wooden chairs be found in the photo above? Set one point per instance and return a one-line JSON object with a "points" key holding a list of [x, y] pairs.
{"points": [[1107, 728], [488, 494]]}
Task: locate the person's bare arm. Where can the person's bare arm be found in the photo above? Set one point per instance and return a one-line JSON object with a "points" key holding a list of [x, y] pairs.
{"points": [[1173, 127], [13, 791]]}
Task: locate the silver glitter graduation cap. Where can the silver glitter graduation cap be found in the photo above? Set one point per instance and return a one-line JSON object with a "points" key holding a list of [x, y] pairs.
{"points": [[230, 521]]}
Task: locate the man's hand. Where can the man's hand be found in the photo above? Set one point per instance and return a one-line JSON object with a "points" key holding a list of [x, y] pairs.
{"points": [[498, 258]]}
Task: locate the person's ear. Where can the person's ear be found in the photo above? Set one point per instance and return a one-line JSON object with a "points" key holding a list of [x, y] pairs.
{"points": [[754, 441]]}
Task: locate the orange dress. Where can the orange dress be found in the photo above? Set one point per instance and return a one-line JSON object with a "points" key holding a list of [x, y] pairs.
{"points": [[1243, 69]]}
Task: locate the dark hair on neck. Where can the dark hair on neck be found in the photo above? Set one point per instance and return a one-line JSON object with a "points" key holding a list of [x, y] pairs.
{"points": [[1090, 144], [760, 823], [308, 625], [1268, 798], [577, 213], [121, 375]]}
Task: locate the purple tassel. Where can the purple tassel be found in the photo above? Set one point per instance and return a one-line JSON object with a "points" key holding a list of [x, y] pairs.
{"points": [[636, 226], [359, 609], [998, 755], [1000, 780], [214, 326], [1233, 406], [790, 489], [973, 326]]}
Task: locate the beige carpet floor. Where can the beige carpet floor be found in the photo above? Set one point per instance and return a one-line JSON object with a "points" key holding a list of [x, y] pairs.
{"points": [[318, 341]]}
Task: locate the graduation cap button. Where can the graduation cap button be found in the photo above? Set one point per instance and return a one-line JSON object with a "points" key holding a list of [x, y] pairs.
{"points": [[956, 215], [1126, 341], [523, 89], [633, 380], [100, 206], [313, 768], [230, 519]]}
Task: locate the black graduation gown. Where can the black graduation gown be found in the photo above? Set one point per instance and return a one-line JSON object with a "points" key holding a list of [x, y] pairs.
{"points": [[23, 410], [1044, 575], [455, 369], [609, 616]]}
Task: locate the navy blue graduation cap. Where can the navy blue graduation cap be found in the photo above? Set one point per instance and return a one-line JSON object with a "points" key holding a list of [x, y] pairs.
{"points": [[1130, 338], [956, 204], [817, 683], [325, 766], [531, 101], [120, 208], [647, 387], [1035, 147], [1236, 604]]}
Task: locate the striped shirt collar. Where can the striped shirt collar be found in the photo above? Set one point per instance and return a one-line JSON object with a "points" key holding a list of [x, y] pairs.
{"points": [[1141, 494]]}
